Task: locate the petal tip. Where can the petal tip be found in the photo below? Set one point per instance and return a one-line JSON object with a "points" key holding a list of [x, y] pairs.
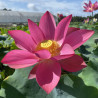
{"points": [[90, 31], [47, 12], [29, 77], [70, 15], [93, 31], [29, 20], [84, 65], [2, 61], [48, 92], [9, 31]]}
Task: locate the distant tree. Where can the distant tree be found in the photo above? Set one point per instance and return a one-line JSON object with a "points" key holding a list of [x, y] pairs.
{"points": [[78, 19], [96, 15], [5, 9], [10, 10], [90, 17]]}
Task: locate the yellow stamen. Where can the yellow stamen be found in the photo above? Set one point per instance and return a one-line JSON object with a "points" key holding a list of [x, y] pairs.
{"points": [[46, 44], [92, 5], [51, 46]]}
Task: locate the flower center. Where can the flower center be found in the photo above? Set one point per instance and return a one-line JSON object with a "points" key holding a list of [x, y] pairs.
{"points": [[91, 8], [86, 21], [51, 46]]}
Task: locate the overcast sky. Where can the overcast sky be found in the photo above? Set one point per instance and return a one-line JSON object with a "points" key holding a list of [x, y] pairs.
{"points": [[65, 7]]}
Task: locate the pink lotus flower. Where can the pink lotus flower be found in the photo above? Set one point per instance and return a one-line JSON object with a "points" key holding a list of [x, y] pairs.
{"points": [[86, 20], [50, 48], [60, 16], [89, 7]]}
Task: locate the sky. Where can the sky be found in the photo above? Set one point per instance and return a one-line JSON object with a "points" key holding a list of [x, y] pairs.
{"points": [[66, 7]]}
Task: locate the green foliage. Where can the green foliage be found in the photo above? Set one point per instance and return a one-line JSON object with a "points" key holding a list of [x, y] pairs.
{"points": [[70, 86], [96, 51], [96, 16], [81, 19], [78, 19]]}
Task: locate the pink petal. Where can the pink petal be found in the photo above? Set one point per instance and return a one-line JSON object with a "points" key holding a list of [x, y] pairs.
{"points": [[91, 10], [23, 40], [36, 32], [96, 5], [72, 29], [73, 64], [88, 19], [61, 29], [48, 75], [86, 4], [22, 66], [32, 74], [85, 10], [85, 7], [90, 4], [77, 38], [19, 59], [60, 57], [44, 54], [66, 52], [47, 25]]}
